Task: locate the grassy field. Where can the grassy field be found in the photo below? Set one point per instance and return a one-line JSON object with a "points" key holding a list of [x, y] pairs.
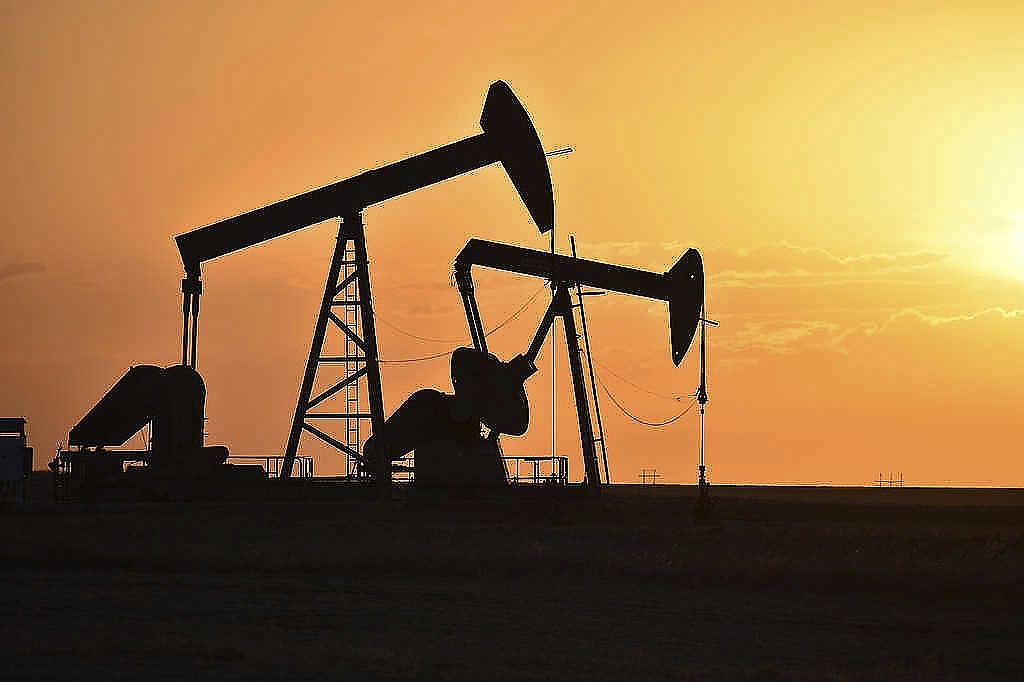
{"points": [[333, 583]]}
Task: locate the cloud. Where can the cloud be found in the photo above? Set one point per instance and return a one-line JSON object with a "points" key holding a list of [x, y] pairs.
{"points": [[922, 257], [988, 314], [788, 265], [786, 299], [781, 337], [786, 337], [15, 269], [613, 247]]}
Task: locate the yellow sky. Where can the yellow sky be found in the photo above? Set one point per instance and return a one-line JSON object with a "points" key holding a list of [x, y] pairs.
{"points": [[852, 177]]}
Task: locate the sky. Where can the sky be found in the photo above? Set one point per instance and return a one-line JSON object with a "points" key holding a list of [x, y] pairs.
{"points": [[851, 175]]}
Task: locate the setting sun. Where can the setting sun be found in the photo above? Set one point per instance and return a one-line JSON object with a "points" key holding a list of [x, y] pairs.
{"points": [[999, 251]]}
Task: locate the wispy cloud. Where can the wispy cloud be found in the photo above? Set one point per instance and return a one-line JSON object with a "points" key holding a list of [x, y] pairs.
{"points": [[789, 265], [782, 323], [781, 337], [601, 249], [797, 336], [938, 320], [922, 257]]}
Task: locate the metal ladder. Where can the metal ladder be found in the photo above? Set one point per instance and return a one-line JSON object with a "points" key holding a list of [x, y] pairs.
{"points": [[353, 468]]}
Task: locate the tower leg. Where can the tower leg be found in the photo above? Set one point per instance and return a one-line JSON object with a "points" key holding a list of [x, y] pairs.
{"points": [[356, 233], [579, 390]]}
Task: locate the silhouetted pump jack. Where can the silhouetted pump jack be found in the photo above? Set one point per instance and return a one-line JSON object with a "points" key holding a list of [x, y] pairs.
{"points": [[508, 137], [445, 429], [173, 400]]}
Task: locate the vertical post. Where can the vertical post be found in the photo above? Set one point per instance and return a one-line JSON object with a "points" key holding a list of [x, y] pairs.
{"points": [[195, 328], [375, 393], [185, 306], [191, 289], [319, 331], [353, 225], [554, 354], [702, 400], [702, 481], [579, 388], [590, 368], [703, 508]]}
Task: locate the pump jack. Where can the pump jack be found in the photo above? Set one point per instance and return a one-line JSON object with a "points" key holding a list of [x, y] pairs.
{"points": [[444, 429], [508, 137]]}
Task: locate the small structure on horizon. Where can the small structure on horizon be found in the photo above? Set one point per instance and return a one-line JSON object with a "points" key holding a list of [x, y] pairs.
{"points": [[893, 481], [649, 477], [15, 460]]}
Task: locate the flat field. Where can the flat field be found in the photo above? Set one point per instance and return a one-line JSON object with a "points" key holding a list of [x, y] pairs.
{"points": [[329, 582]]}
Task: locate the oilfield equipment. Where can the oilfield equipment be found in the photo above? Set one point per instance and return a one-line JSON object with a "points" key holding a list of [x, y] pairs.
{"points": [[455, 437], [172, 401], [508, 137], [444, 429], [15, 460]]}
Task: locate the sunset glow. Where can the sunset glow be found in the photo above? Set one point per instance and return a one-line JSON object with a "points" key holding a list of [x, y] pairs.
{"points": [[853, 178]]}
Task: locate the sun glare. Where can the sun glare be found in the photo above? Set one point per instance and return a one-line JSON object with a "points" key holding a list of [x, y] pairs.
{"points": [[1000, 251]]}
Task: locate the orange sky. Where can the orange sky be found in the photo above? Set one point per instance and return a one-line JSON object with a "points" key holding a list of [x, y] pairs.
{"points": [[852, 177]]}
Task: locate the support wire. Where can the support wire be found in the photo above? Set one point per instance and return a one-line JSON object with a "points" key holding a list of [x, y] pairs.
{"points": [[446, 353], [638, 420]]}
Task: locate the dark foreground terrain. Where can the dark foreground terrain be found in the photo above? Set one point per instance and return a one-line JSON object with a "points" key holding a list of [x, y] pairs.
{"points": [[327, 583]]}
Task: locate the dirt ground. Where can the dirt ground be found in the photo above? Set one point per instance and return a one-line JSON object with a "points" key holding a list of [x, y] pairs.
{"points": [[334, 583]]}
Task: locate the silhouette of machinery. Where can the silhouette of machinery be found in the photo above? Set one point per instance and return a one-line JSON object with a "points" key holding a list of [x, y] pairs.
{"points": [[171, 399], [15, 460], [445, 430], [508, 138]]}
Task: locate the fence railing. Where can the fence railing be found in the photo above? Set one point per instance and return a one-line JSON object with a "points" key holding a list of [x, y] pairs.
{"points": [[542, 470], [303, 467]]}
